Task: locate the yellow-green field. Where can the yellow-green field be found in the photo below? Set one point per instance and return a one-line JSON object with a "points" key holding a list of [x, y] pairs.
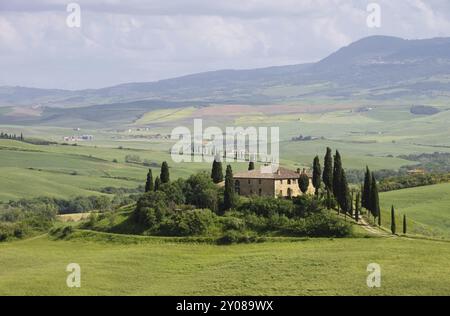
{"points": [[427, 207], [152, 266], [164, 116]]}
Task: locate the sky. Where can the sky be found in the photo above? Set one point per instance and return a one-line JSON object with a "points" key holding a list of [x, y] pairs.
{"points": [[138, 41]]}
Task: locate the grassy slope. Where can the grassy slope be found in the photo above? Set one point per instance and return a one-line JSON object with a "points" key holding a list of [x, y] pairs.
{"points": [[428, 205], [53, 169], [313, 267]]}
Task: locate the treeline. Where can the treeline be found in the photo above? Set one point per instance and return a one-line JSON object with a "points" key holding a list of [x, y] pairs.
{"points": [[411, 181], [19, 222], [436, 162], [21, 138], [79, 204], [11, 136], [27, 216]]}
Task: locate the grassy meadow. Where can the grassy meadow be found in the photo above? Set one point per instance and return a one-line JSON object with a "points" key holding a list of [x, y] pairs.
{"points": [[428, 207], [154, 266]]}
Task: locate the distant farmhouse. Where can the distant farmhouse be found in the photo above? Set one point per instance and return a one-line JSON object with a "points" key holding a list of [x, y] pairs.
{"points": [[78, 138], [280, 182]]}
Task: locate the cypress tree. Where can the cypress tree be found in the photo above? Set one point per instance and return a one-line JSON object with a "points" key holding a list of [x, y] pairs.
{"points": [[357, 206], [303, 183], [157, 183], [393, 227], [404, 224], [217, 172], [328, 199], [352, 196], [317, 172], [327, 176], [149, 186], [228, 197], [251, 166], [365, 199], [375, 200], [344, 194], [165, 176], [337, 178]]}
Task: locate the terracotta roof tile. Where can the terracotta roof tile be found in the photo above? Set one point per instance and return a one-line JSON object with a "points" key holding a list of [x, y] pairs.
{"points": [[280, 173]]}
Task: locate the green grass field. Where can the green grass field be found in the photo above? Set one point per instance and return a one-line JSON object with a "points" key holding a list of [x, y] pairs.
{"points": [[157, 267], [428, 207]]}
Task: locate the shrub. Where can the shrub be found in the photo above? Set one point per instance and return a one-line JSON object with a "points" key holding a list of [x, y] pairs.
{"points": [[267, 207], [306, 205], [321, 224], [189, 223], [233, 236], [201, 191], [174, 192], [232, 223], [152, 200]]}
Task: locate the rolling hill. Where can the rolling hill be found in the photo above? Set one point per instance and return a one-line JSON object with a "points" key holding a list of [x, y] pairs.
{"points": [[373, 68]]}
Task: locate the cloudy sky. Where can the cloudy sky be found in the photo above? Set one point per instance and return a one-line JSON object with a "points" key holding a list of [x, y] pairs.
{"points": [[133, 41]]}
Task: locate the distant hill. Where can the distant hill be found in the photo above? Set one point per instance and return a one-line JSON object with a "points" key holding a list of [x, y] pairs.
{"points": [[374, 68]]}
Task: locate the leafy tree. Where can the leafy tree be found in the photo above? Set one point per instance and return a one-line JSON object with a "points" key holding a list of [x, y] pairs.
{"points": [[149, 185], [174, 192], [365, 199], [327, 176], [303, 183], [251, 165], [157, 183], [201, 191], [164, 177], [228, 197], [317, 172], [393, 227], [217, 172]]}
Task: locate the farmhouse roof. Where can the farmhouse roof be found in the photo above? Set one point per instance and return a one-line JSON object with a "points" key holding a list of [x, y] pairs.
{"points": [[265, 173]]}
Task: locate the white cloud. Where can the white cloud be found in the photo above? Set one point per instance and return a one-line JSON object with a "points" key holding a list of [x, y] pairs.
{"points": [[122, 41]]}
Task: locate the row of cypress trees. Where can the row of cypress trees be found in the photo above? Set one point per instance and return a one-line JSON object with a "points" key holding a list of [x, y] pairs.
{"points": [[335, 181], [370, 199], [333, 177], [11, 136], [164, 177]]}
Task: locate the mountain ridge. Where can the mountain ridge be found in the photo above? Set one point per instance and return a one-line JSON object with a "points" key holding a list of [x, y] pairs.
{"points": [[374, 66]]}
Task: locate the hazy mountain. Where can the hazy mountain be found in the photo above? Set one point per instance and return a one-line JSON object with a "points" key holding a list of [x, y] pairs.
{"points": [[377, 67]]}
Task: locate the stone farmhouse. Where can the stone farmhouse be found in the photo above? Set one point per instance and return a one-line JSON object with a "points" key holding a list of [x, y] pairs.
{"points": [[280, 182]]}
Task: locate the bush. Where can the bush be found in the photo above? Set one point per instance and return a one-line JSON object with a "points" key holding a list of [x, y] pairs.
{"points": [[189, 223], [306, 205], [201, 191], [232, 223], [321, 224], [151, 204], [234, 236], [267, 207]]}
